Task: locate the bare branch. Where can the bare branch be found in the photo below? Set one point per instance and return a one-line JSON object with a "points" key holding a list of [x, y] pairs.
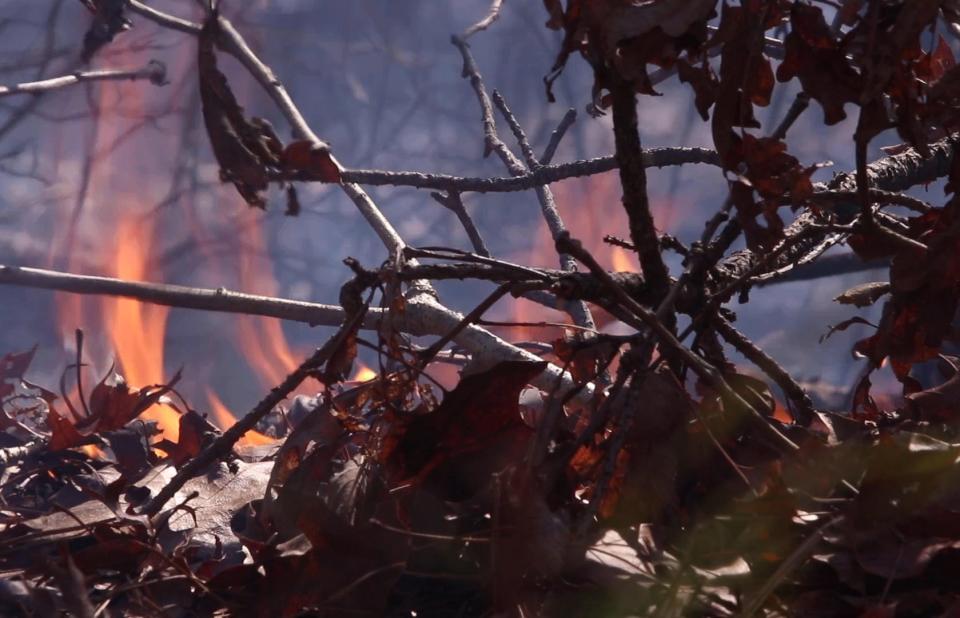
{"points": [[548, 207], [163, 19], [656, 157], [155, 72], [555, 138], [453, 202], [422, 316], [492, 15], [204, 299], [492, 141], [633, 180]]}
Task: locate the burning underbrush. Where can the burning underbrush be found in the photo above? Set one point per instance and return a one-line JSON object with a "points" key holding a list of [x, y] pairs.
{"points": [[387, 495], [600, 454]]}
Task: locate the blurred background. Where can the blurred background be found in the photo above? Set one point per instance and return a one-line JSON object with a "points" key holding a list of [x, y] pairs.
{"points": [[118, 179]]}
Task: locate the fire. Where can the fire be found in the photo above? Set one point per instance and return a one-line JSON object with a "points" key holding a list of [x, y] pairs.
{"points": [[363, 373], [622, 260], [225, 419], [92, 451], [591, 209], [261, 339], [136, 329], [121, 190]]}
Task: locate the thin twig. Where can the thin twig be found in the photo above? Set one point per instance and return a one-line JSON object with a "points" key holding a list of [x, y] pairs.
{"points": [[548, 174], [492, 141], [799, 105], [803, 407], [453, 202], [548, 207], [154, 72], [492, 15], [557, 136], [223, 445], [877, 195], [793, 561]]}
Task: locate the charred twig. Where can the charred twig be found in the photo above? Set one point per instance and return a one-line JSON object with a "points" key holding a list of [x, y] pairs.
{"points": [[619, 242], [803, 408], [567, 285], [155, 72], [633, 180], [223, 445], [884, 197], [828, 266], [13, 454], [799, 105]]}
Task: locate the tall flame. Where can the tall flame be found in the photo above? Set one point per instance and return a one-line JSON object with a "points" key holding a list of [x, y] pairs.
{"points": [[137, 329], [261, 339], [362, 373]]}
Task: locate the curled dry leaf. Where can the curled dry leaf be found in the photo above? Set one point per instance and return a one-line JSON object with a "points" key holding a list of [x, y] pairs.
{"points": [[865, 294], [248, 150], [628, 34]]}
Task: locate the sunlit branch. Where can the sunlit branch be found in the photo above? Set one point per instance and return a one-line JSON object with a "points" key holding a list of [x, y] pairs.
{"points": [[491, 140], [492, 15], [422, 316], [155, 72]]}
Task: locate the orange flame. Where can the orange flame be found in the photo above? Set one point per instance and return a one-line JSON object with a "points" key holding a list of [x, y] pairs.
{"points": [[362, 373], [591, 208], [622, 260], [92, 451], [137, 329], [261, 339], [226, 419]]}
